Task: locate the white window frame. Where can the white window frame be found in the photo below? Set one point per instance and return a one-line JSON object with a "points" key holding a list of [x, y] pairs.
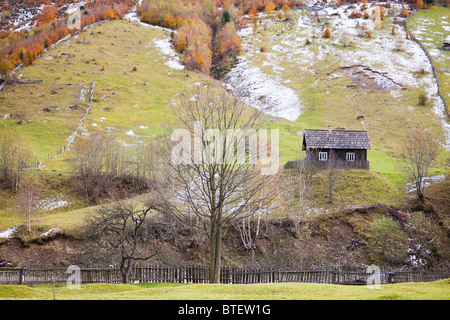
{"points": [[323, 156], [350, 156]]}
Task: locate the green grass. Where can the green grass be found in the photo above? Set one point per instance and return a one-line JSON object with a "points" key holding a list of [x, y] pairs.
{"points": [[123, 99], [428, 27], [439, 290]]}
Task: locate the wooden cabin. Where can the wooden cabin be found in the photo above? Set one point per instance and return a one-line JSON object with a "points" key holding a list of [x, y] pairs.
{"points": [[337, 148]]}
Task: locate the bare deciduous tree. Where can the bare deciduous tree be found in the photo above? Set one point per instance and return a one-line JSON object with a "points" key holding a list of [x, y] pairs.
{"points": [[418, 153], [218, 185], [251, 228], [121, 229], [100, 161], [303, 179], [333, 174], [27, 200], [14, 154]]}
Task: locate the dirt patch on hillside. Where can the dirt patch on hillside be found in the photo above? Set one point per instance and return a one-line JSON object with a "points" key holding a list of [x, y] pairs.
{"points": [[370, 79], [342, 238]]}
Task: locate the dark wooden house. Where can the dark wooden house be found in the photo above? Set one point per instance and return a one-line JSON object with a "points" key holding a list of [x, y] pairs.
{"points": [[336, 148]]}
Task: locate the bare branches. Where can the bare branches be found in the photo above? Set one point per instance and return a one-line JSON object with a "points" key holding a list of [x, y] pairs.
{"points": [[121, 229], [214, 170], [14, 155], [418, 153], [100, 161]]}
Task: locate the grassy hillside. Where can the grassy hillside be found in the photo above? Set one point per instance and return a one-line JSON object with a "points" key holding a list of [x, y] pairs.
{"points": [[318, 72], [125, 101], [431, 27]]}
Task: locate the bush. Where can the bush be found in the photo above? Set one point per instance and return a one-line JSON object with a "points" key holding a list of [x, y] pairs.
{"points": [[405, 14], [388, 244], [327, 33], [355, 15], [422, 99]]}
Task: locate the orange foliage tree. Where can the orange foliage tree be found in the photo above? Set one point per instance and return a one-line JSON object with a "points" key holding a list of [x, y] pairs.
{"points": [[48, 14]]}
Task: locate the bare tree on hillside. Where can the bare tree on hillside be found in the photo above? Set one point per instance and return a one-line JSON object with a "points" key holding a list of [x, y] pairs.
{"points": [[14, 154], [253, 227], [418, 153], [215, 182], [27, 199], [303, 179], [333, 175], [121, 229]]}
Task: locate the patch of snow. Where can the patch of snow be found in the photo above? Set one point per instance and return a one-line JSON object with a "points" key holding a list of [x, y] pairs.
{"points": [[8, 233], [166, 49], [262, 91], [52, 203], [130, 133], [426, 181], [50, 232]]}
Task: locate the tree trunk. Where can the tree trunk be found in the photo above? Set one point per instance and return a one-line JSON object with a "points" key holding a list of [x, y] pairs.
{"points": [[215, 254], [125, 268]]}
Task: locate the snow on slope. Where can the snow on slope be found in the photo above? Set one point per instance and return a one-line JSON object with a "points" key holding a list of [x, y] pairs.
{"points": [[262, 91], [379, 53]]}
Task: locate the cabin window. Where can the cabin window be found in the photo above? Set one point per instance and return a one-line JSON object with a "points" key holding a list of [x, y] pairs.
{"points": [[323, 156], [350, 156]]}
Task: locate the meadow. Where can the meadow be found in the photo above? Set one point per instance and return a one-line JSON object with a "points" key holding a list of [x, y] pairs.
{"points": [[438, 290]]}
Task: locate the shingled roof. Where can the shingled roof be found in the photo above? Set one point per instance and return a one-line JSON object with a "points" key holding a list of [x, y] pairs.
{"points": [[337, 139]]}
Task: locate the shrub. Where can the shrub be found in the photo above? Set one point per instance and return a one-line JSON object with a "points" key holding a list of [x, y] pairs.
{"points": [[327, 33], [355, 15], [387, 242], [405, 14], [307, 41], [134, 68], [280, 15], [422, 99]]}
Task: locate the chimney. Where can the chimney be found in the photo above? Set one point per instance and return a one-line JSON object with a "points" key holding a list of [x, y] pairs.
{"points": [[330, 130]]}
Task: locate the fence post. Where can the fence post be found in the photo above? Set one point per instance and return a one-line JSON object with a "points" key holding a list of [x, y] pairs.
{"points": [[21, 275]]}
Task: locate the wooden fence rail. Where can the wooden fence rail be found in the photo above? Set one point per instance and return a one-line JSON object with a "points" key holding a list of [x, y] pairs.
{"points": [[200, 274]]}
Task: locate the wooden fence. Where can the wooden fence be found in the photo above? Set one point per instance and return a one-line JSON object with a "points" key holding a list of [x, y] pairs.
{"points": [[200, 274]]}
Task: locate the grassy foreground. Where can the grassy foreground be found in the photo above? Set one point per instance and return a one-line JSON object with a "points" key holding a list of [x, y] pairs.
{"points": [[439, 290]]}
